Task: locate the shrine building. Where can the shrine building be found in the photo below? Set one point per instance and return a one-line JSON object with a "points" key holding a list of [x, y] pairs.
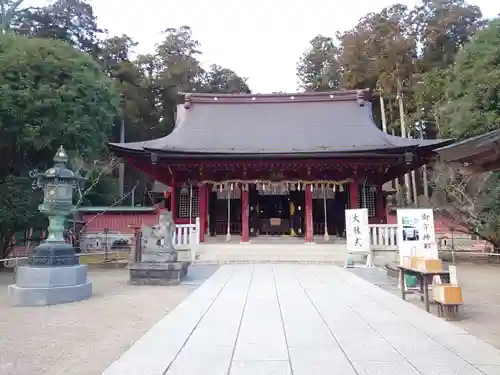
{"points": [[276, 164]]}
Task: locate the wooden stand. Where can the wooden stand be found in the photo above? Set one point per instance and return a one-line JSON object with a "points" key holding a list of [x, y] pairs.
{"points": [[448, 298]]}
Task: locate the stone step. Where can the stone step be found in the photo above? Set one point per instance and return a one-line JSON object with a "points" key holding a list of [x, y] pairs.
{"points": [[239, 253], [260, 261]]}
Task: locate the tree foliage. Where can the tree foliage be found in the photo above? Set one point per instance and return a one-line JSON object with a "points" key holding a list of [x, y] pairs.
{"points": [[423, 54], [471, 106], [444, 62], [473, 90], [390, 52], [70, 20], [319, 69], [51, 94], [470, 201], [64, 81]]}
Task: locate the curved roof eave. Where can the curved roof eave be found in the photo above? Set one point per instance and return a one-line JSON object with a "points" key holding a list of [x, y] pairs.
{"points": [[319, 123]]}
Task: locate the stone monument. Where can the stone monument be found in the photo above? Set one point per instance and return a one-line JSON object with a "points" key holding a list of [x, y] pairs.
{"points": [[157, 263], [53, 274]]}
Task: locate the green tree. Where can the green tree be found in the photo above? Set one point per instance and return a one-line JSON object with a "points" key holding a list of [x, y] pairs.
{"points": [[429, 94], [443, 27], [51, 95], [222, 81], [136, 114], [73, 21], [471, 107], [473, 102], [11, 12], [319, 69]]}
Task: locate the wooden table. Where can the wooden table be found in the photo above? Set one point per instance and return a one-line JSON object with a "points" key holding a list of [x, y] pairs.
{"points": [[425, 278]]}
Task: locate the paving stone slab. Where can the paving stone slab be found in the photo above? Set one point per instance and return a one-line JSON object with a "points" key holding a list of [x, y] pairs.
{"points": [[490, 370], [312, 319], [471, 348], [319, 360], [209, 359], [261, 368], [384, 368], [269, 350]]}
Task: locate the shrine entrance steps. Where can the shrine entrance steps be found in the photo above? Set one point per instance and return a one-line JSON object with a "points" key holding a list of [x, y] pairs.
{"points": [[267, 249]]}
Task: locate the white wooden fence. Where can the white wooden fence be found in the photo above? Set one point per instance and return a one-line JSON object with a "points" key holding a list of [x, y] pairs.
{"points": [[383, 236], [187, 235]]}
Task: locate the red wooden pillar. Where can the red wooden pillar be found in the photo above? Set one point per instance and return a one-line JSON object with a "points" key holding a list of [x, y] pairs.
{"points": [[309, 213], [244, 214], [207, 201], [354, 194], [173, 199], [202, 207]]}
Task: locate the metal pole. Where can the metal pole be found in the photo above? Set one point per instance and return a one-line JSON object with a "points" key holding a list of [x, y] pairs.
{"points": [[228, 235], [327, 237]]}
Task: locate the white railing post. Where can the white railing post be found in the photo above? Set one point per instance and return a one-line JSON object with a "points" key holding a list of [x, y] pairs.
{"points": [[195, 238], [197, 232], [383, 236]]}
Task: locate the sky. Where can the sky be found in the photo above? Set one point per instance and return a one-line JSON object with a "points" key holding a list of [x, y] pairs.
{"points": [[261, 40]]}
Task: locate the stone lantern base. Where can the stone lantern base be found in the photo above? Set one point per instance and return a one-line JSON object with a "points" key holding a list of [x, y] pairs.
{"points": [[49, 285]]}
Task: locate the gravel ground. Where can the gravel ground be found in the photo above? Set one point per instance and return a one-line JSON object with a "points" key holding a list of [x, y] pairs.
{"points": [[479, 283], [84, 338]]}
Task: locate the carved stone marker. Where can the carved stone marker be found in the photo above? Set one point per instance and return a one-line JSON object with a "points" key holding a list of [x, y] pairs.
{"points": [[158, 264]]}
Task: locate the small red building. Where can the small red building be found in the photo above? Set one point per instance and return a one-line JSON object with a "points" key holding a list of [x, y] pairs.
{"points": [[276, 164]]}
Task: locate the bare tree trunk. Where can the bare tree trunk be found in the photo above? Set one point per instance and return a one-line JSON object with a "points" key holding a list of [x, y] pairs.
{"points": [[424, 170], [382, 112], [399, 198], [414, 189], [403, 134]]}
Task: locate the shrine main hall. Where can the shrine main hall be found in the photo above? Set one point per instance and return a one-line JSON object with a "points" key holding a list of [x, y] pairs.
{"points": [[275, 164]]}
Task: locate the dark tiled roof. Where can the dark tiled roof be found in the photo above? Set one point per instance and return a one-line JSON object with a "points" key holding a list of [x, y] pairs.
{"points": [[331, 122], [467, 149]]}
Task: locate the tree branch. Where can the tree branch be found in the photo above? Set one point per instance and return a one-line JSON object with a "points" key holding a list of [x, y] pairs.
{"points": [[113, 163]]}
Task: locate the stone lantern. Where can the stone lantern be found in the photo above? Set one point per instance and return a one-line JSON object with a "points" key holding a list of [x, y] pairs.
{"points": [[53, 274]]}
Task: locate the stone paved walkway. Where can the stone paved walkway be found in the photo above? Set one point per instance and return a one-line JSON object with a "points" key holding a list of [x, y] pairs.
{"points": [[302, 320]]}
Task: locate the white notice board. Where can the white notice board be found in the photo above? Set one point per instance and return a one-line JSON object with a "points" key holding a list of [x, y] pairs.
{"points": [[416, 233], [357, 230]]}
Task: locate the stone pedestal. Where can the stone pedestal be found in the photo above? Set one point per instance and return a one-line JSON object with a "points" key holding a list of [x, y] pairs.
{"points": [[49, 285], [157, 273], [158, 256], [156, 262]]}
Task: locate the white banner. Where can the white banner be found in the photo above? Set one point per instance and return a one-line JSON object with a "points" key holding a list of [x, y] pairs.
{"points": [[357, 230], [416, 234]]}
